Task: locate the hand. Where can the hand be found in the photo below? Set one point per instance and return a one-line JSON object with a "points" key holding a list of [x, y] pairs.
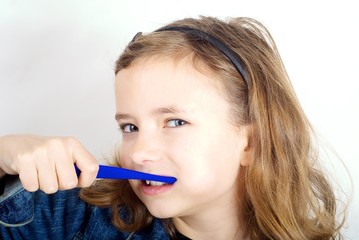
{"points": [[47, 163]]}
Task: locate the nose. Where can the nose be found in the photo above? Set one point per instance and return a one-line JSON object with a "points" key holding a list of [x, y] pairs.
{"points": [[145, 149]]}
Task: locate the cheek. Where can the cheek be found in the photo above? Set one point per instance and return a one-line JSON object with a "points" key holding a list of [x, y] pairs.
{"points": [[200, 160], [211, 160]]}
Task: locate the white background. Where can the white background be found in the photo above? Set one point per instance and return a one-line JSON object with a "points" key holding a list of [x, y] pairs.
{"points": [[57, 59]]}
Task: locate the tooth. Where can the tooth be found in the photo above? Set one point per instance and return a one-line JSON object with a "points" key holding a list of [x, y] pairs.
{"points": [[147, 182], [155, 183]]}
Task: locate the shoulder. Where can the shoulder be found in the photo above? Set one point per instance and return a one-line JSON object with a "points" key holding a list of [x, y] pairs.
{"points": [[99, 226], [155, 230]]}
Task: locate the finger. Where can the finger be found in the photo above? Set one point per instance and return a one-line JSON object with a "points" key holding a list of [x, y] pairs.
{"points": [[47, 176], [29, 178], [66, 174], [88, 166]]}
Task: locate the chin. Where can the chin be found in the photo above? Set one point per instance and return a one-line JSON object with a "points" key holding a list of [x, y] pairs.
{"points": [[160, 211]]}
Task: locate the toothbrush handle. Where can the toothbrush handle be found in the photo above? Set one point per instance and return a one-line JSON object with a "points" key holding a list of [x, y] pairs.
{"points": [[111, 172]]}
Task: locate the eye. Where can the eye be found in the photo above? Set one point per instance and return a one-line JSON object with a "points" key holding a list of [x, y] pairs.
{"points": [[128, 128], [175, 123]]}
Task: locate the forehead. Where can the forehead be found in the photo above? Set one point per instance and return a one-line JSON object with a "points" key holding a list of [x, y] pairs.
{"points": [[167, 73], [161, 79]]}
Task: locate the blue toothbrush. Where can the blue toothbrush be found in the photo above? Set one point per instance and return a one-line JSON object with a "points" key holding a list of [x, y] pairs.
{"points": [[110, 172]]}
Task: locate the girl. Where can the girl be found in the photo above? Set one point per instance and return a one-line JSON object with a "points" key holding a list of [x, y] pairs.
{"points": [[206, 101]]}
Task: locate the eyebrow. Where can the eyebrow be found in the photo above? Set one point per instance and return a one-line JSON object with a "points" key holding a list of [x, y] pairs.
{"points": [[158, 111]]}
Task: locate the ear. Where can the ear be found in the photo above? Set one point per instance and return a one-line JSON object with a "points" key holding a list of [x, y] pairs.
{"points": [[246, 145]]}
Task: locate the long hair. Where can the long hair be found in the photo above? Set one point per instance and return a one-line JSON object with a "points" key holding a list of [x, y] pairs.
{"points": [[283, 194]]}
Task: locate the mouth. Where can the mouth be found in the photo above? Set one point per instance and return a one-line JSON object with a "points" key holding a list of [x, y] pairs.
{"points": [[155, 188], [154, 183]]}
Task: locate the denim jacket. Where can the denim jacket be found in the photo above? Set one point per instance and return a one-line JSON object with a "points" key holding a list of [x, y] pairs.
{"points": [[63, 215]]}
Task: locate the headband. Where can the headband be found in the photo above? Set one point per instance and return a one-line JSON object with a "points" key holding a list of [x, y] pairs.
{"points": [[229, 53]]}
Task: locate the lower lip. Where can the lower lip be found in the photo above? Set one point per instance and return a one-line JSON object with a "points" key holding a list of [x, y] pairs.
{"points": [[155, 190]]}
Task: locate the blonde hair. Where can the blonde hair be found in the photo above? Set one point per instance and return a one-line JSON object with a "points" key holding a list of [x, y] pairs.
{"points": [[283, 194]]}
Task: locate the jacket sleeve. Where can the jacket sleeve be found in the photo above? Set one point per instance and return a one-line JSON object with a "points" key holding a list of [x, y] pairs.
{"points": [[27, 215], [16, 204]]}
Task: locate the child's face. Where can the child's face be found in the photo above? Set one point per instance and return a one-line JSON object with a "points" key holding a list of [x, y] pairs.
{"points": [[176, 122]]}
